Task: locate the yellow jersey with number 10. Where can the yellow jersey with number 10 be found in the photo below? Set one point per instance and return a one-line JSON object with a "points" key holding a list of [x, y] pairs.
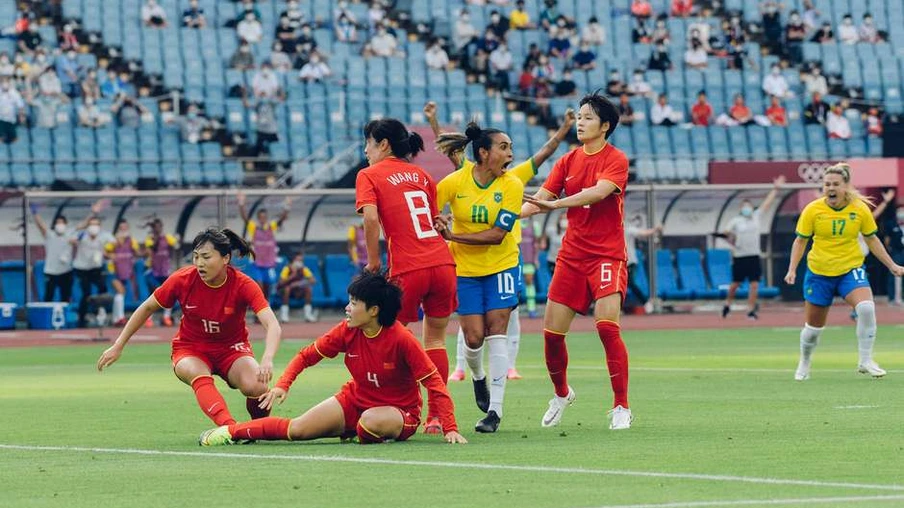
{"points": [[835, 250], [524, 171]]}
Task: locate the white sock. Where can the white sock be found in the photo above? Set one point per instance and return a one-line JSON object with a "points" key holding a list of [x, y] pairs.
{"points": [[284, 313], [513, 336], [809, 338], [119, 307], [866, 329], [308, 310], [898, 289], [499, 364], [460, 351], [474, 358]]}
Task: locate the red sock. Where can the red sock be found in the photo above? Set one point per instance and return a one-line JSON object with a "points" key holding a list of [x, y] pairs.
{"points": [[270, 428], [441, 360], [251, 404], [556, 361], [616, 360], [365, 436], [211, 401]]}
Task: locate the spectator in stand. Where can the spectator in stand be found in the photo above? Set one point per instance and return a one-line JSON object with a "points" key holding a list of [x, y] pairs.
{"points": [[682, 8], [659, 59], [30, 40], [775, 83], [698, 30], [128, 111], [526, 80], [776, 113], [641, 33], [702, 111], [549, 14], [345, 29], [305, 45], [560, 45], [382, 45], [519, 18], [464, 33], [696, 57], [435, 56], [625, 111], [837, 125], [250, 29], [661, 33], [641, 9], [375, 15], [315, 70], [811, 15], [243, 58], [279, 59], [68, 70], [44, 108], [825, 35], [480, 65], [872, 121], [544, 69], [593, 32], [639, 86], [89, 115], [615, 86], [662, 113], [867, 31], [192, 125], [246, 8], [67, 39], [847, 32], [816, 110], [499, 24], [90, 86], [153, 14], [125, 80], [815, 82], [343, 10], [740, 114], [501, 64], [265, 84], [286, 33], [112, 86], [737, 54], [20, 26], [736, 30], [193, 17], [295, 15], [584, 59], [266, 127], [566, 87], [7, 67], [50, 86], [772, 25], [12, 108], [533, 55]]}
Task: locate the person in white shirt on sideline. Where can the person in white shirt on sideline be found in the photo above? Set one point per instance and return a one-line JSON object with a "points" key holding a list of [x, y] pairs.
{"points": [[633, 231], [743, 233]]}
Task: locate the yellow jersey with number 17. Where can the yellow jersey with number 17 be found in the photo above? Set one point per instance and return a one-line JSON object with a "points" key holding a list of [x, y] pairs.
{"points": [[834, 232], [477, 208], [523, 171]]}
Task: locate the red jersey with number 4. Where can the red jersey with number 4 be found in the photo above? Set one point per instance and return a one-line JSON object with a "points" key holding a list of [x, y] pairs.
{"points": [[595, 230], [386, 369], [405, 197], [211, 314]]}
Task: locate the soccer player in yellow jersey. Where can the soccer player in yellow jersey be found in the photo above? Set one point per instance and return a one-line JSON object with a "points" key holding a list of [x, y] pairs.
{"points": [[524, 171], [835, 265], [484, 204]]}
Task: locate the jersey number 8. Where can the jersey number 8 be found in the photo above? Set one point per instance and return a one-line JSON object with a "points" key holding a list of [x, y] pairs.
{"points": [[420, 210]]}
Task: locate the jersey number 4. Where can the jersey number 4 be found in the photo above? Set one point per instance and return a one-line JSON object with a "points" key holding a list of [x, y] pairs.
{"points": [[419, 208]]}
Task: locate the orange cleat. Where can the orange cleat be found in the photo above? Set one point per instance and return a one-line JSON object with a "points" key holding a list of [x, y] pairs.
{"points": [[167, 321], [433, 426], [513, 374], [458, 375], [149, 323]]}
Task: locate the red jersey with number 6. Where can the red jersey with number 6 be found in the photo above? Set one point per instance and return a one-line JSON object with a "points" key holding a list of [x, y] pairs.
{"points": [[405, 197], [596, 230], [211, 314]]}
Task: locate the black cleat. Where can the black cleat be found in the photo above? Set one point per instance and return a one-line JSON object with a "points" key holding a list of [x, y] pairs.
{"points": [[481, 394], [725, 310], [489, 424]]}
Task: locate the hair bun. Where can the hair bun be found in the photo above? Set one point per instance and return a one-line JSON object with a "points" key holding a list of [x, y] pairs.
{"points": [[473, 131]]}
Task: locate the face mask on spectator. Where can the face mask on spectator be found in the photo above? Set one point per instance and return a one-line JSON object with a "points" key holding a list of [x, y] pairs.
{"points": [[93, 230], [867, 21], [795, 18], [59, 228], [776, 71], [89, 102], [298, 265], [747, 210], [848, 21]]}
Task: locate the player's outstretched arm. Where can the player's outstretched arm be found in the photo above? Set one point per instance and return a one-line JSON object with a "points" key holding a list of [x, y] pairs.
{"points": [[529, 209], [139, 317], [589, 196], [549, 148], [274, 333]]}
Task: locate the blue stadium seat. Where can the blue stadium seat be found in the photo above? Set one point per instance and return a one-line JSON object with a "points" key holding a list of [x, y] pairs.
{"points": [[12, 281], [339, 271], [666, 279], [319, 294], [690, 267]]}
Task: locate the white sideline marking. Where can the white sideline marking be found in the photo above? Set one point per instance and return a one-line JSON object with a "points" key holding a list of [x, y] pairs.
{"points": [[855, 407], [704, 369], [462, 465], [758, 502]]}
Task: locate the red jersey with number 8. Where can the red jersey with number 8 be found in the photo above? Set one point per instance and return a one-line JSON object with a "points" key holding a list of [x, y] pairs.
{"points": [[596, 230], [405, 197], [211, 314]]}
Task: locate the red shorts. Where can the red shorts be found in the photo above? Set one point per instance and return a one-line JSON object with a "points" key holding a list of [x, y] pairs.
{"points": [[433, 288], [352, 408], [218, 357], [577, 284]]}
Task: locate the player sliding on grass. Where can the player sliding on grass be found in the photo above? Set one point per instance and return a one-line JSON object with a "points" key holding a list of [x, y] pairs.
{"points": [[835, 265], [381, 402], [212, 336], [591, 264]]}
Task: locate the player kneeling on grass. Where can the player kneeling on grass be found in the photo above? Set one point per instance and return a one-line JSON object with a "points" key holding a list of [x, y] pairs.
{"points": [[381, 402]]}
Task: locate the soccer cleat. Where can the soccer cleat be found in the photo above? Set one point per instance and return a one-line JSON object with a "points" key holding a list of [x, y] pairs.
{"points": [[514, 374], [752, 315], [216, 437], [167, 321], [488, 424], [648, 308], [149, 323], [557, 406], [871, 368], [458, 375], [803, 371], [482, 394], [620, 418], [725, 310], [433, 426]]}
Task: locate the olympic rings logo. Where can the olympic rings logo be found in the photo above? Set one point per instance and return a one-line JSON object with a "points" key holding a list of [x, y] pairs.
{"points": [[811, 172]]}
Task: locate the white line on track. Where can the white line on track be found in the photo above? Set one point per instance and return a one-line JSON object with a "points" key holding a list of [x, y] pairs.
{"points": [[703, 369], [460, 465], [762, 502]]}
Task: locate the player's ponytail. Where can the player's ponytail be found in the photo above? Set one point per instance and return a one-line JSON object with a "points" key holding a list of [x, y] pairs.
{"points": [[402, 144], [851, 194], [449, 143], [415, 143], [225, 241]]}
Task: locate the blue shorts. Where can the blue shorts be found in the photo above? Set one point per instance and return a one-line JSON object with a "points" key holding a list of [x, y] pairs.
{"points": [[479, 295], [821, 290], [262, 274]]}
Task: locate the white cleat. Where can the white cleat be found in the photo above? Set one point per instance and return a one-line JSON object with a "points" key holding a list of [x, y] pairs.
{"points": [[621, 418], [557, 406], [803, 371], [871, 368]]}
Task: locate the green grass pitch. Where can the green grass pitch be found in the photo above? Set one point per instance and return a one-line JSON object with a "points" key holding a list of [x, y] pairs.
{"points": [[719, 421]]}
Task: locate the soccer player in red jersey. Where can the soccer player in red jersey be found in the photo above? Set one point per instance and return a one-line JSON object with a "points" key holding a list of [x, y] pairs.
{"points": [[400, 197], [592, 263], [212, 336], [381, 402]]}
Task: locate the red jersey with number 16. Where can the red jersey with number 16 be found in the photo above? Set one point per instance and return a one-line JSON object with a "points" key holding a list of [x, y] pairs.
{"points": [[211, 314], [595, 230], [405, 197]]}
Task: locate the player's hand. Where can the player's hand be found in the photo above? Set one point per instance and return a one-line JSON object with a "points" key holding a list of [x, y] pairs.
{"points": [[265, 371], [569, 119], [99, 206], [373, 267], [453, 437], [275, 394], [779, 181], [897, 271], [442, 222], [430, 110], [544, 205], [109, 357], [888, 195], [790, 277]]}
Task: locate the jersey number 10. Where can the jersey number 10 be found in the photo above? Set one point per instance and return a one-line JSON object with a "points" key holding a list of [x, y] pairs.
{"points": [[480, 214]]}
